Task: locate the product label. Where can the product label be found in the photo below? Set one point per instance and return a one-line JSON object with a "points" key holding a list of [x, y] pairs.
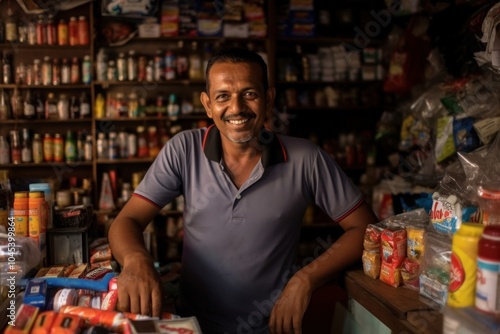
{"points": [[487, 290]]}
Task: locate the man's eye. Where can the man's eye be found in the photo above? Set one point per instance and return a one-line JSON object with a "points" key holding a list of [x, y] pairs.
{"points": [[251, 95], [222, 97]]}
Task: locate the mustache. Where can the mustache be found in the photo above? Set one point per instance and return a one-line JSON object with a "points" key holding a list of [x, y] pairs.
{"points": [[243, 114]]}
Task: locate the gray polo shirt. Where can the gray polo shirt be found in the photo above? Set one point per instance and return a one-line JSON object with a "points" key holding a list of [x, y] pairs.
{"points": [[240, 244]]}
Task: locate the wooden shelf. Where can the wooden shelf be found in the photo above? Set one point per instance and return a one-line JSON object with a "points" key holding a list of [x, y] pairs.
{"points": [[54, 164], [14, 46], [154, 118], [339, 108], [47, 121], [61, 86], [124, 161], [356, 83], [149, 84]]}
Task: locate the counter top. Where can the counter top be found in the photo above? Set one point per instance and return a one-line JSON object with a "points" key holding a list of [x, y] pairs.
{"points": [[400, 308]]}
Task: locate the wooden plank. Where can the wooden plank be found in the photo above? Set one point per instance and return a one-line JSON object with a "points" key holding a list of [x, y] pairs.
{"points": [[427, 322], [399, 300]]}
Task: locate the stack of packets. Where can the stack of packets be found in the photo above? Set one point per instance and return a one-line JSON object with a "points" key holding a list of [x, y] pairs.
{"points": [[394, 247], [82, 298]]}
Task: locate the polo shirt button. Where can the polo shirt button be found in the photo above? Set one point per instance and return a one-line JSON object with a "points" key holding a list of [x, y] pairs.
{"points": [[238, 196]]}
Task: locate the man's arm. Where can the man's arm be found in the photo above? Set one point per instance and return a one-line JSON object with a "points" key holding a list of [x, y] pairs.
{"points": [[139, 286], [289, 309]]}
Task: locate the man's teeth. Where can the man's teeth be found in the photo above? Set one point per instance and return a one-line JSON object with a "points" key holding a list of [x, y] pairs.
{"points": [[238, 121]]}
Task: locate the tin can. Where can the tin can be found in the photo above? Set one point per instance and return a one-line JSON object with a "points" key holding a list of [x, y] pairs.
{"points": [[488, 271], [461, 291]]}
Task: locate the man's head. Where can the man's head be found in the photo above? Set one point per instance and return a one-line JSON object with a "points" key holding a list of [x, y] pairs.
{"points": [[237, 55], [238, 97]]}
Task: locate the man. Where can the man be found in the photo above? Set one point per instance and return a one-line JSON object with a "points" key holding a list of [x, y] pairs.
{"points": [[246, 190]]}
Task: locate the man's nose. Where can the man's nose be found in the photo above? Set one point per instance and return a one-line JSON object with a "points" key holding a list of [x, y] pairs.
{"points": [[236, 104]]}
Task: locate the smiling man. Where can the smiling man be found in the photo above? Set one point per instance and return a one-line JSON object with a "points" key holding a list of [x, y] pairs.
{"points": [[246, 190]]}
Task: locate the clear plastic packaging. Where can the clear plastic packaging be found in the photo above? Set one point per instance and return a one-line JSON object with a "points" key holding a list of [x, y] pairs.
{"points": [[17, 256]]}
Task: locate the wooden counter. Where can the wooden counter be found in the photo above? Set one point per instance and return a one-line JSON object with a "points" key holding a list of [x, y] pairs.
{"points": [[398, 308]]}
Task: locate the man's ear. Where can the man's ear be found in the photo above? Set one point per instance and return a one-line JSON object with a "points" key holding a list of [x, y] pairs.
{"points": [[205, 100]]}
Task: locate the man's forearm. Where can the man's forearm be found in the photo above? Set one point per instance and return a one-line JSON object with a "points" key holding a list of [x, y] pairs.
{"points": [[126, 238]]}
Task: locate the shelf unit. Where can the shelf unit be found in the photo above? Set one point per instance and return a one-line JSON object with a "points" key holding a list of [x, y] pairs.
{"points": [[323, 121]]}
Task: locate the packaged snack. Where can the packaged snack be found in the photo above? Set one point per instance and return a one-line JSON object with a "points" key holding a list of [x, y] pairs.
{"points": [[372, 238], [390, 273], [371, 263], [393, 245], [409, 274], [415, 242]]}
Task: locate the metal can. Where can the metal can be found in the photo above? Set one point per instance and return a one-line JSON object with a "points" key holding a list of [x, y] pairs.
{"points": [[488, 271], [464, 249]]}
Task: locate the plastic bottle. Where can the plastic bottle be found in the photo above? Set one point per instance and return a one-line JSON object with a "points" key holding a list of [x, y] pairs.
{"points": [[86, 70], [121, 65], [21, 214], [75, 71], [462, 288], [488, 271], [102, 146], [83, 30], [37, 217], [29, 111], [15, 147], [84, 106], [47, 71], [99, 106], [131, 66], [63, 107], [73, 31], [51, 31], [51, 107], [37, 148], [101, 65], [58, 148], [74, 108], [48, 148], [195, 63], [26, 153]]}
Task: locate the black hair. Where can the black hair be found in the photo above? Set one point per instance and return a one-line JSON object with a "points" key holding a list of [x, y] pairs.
{"points": [[237, 55]]}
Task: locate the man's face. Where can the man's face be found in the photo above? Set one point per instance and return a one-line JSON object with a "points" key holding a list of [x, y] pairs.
{"points": [[237, 102]]}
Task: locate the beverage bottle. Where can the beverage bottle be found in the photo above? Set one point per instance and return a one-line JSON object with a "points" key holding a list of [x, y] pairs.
{"points": [[182, 64], [51, 107], [80, 146], [195, 63], [70, 149], [4, 151], [73, 31], [142, 142], [46, 71], [37, 72], [41, 34], [21, 215], [17, 104], [22, 32], [173, 106], [153, 142], [74, 108], [158, 67], [65, 71], [11, 27], [29, 111], [121, 66], [87, 148], [112, 72], [15, 147], [51, 31], [63, 107], [26, 153], [58, 148], [170, 65], [4, 106], [102, 146], [133, 105], [37, 148], [121, 105], [75, 71], [113, 146], [6, 69], [101, 65], [32, 32], [48, 148], [56, 72], [131, 66], [84, 106], [21, 73], [39, 107], [100, 111], [83, 30], [62, 32], [86, 70]]}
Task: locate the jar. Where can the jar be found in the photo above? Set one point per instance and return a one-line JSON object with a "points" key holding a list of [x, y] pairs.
{"points": [[21, 213], [63, 198], [488, 271], [489, 201]]}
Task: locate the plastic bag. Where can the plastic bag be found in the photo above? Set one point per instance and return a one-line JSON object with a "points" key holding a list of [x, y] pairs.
{"points": [[18, 255]]}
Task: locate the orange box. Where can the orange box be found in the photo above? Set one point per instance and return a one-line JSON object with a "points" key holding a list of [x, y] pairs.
{"points": [[66, 324], [44, 322]]}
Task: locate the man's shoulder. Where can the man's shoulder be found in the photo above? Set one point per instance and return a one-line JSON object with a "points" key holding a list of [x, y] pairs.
{"points": [[190, 136], [297, 144]]}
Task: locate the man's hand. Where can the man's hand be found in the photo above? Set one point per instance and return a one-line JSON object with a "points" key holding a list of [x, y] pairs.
{"points": [[289, 309], [139, 286]]}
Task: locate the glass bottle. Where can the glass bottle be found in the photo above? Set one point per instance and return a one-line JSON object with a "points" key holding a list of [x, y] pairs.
{"points": [[15, 147], [101, 65], [48, 147], [26, 153], [87, 148], [41, 33], [58, 146], [121, 66], [83, 30], [70, 151], [17, 104], [4, 151], [102, 146], [75, 71], [37, 72], [29, 111], [153, 142], [56, 72], [73, 31], [86, 70], [51, 107], [195, 63], [46, 71], [6, 69], [51, 31], [4, 106], [112, 72], [131, 66], [11, 26], [84, 106], [182, 64], [65, 71], [63, 107], [113, 147], [31, 32], [39, 107], [62, 33], [74, 108], [21, 74], [22, 32], [37, 148]]}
